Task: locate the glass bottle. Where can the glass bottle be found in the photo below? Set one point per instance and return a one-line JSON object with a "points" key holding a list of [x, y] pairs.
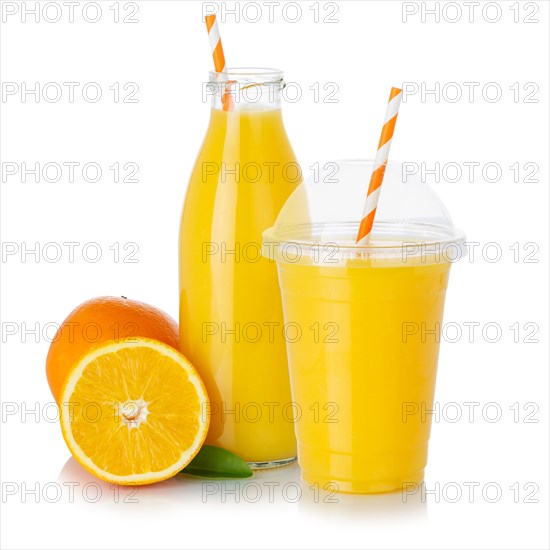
{"points": [[231, 320]]}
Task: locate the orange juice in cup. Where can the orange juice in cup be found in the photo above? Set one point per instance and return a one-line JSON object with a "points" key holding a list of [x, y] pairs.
{"points": [[231, 320], [360, 378], [364, 373]]}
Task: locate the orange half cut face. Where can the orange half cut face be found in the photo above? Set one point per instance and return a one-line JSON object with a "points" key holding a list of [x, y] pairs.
{"points": [[133, 413]]}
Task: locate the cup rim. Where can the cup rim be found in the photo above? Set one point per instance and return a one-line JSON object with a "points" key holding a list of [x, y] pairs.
{"points": [[442, 236]]}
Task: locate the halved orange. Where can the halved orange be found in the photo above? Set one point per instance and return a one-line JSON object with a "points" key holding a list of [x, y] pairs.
{"points": [[133, 412]]}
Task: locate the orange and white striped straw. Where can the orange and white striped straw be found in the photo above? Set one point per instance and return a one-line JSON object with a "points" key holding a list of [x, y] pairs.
{"points": [[380, 162], [218, 57], [215, 43]]}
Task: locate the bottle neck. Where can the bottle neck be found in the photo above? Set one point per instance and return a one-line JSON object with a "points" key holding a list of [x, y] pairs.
{"points": [[246, 89]]}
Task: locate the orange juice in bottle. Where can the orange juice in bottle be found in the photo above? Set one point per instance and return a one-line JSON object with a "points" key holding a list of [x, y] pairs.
{"points": [[231, 320]]}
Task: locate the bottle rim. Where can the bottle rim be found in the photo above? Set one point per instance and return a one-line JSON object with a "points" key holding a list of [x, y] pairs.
{"points": [[244, 73]]}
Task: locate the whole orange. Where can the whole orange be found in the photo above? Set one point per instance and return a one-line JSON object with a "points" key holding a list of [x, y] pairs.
{"points": [[99, 320]]}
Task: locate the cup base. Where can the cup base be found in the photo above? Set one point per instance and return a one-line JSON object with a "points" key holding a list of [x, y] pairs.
{"points": [[365, 486], [271, 463]]}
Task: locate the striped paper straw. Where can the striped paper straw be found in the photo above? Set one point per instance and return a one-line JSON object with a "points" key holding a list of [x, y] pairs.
{"points": [[219, 57], [380, 162]]}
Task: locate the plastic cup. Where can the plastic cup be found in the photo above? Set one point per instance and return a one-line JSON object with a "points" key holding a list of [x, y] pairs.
{"points": [[362, 326]]}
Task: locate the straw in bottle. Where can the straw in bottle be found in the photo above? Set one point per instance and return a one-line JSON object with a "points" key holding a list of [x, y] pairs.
{"points": [[219, 58], [379, 169]]}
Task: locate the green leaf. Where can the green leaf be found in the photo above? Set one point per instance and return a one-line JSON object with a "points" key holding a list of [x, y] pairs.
{"points": [[215, 462]]}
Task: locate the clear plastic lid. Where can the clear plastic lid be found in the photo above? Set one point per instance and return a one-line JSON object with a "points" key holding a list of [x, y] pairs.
{"points": [[325, 211]]}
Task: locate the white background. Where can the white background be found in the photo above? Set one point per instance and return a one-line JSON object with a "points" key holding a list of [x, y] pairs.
{"points": [[372, 47]]}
